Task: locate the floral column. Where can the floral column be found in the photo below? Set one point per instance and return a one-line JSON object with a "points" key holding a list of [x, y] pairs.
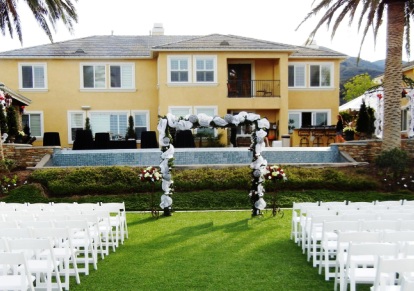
{"points": [[165, 166], [258, 164]]}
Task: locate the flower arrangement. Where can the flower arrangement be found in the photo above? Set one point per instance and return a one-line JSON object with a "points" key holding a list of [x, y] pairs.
{"points": [[150, 174], [349, 128], [274, 173]]}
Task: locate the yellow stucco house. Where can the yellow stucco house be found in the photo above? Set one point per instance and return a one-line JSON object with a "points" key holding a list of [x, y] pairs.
{"points": [[109, 78]]}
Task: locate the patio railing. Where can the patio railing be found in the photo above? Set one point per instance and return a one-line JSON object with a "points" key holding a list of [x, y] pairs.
{"points": [[253, 88]]}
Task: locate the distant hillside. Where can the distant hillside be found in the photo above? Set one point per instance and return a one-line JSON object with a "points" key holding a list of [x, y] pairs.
{"points": [[350, 68]]}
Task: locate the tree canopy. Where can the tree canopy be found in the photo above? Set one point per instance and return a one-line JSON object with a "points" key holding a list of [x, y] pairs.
{"points": [[46, 12], [357, 86]]}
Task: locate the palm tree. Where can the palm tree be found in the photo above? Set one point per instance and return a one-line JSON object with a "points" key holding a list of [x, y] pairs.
{"points": [[46, 12], [398, 17]]}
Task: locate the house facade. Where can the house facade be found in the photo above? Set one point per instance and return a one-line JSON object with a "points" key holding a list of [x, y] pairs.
{"points": [[109, 78]]}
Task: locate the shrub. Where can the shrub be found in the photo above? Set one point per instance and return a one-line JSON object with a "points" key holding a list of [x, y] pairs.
{"points": [[394, 162]]}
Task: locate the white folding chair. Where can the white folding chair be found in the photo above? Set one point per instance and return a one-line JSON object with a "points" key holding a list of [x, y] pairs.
{"points": [[306, 214], [343, 241], [332, 203], [118, 218], [45, 267], [408, 202], [407, 284], [314, 236], [15, 232], [361, 205], [389, 202], [390, 273], [18, 277], [394, 216], [37, 224], [329, 243], [106, 231], [63, 249], [294, 234], [92, 220], [402, 236], [83, 241], [380, 225], [8, 224], [362, 260], [407, 224]]}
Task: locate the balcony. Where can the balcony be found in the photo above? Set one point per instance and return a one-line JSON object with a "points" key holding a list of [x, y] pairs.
{"points": [[253, 88]]}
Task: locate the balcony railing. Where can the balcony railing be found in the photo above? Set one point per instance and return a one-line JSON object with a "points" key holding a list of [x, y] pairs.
{"points": [[253, 88]]}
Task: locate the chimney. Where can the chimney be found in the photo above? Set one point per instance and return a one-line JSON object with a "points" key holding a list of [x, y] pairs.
{"points": [[158, 29], [313, 44]]}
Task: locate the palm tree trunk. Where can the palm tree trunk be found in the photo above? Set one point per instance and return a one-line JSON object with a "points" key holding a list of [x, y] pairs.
{"points": [[393, 75]]}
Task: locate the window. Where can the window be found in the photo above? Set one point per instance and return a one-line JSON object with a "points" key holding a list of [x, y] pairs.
{"points": [[205, 69], [209, 111], [308, 118], [180, 111], [179, 69], [95, 76], [296, 76], [320, 75], [34, 121], [405, 119], [140, 123], [121, 76], [76, 121], [32, 76], [113, 122]]}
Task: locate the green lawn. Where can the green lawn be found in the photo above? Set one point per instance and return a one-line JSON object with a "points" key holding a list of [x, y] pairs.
{"points": [[206, 251]]}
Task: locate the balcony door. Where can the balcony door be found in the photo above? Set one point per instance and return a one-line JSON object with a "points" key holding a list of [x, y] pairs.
{"points": [[240, 79]]}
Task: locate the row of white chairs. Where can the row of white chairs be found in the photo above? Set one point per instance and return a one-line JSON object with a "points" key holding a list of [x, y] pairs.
{"points": [[363, 263], [9, 211], [333, 248], [326, 234], [84, 238], [387, 210], [39, 256]]}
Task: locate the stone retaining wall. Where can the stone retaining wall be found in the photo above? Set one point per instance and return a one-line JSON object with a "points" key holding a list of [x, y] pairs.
{"points": [[368, 150], [26, 155]]}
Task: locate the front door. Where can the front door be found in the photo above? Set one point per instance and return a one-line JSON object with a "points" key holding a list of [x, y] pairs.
{"points": [[240, 79]]}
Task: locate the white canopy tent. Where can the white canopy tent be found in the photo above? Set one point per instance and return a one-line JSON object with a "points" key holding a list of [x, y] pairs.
{"points": [[355, 104], [375, 100]]}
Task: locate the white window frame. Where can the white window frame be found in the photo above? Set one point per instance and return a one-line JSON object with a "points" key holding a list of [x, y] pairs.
{"points": [[107, 86], [321, 64], [169, 69], [308, 76], [295, 67], [45, 85], [114, 112], [184, 108], [41, 123], [405, 119], [147, 120], [214, 70], [122, 68], [70, 112], [215, 109], [313, 113]]}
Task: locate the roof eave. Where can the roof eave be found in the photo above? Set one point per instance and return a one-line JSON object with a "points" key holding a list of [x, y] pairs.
{"points": [[24, 100]]}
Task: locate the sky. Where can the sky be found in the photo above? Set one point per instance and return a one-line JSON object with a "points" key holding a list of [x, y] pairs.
{"points": [[272, 20]]}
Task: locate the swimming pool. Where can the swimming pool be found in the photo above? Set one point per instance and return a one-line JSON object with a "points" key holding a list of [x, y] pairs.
{"points": [[197, 156]]}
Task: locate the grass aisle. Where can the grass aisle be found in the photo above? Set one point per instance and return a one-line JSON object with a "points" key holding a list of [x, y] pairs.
{"points": [[206, 251]]}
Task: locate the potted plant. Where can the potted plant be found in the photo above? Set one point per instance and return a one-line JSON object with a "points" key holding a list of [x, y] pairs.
{"points": [[12, 123], [349, 132], [130, 134], [291, 127]]}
